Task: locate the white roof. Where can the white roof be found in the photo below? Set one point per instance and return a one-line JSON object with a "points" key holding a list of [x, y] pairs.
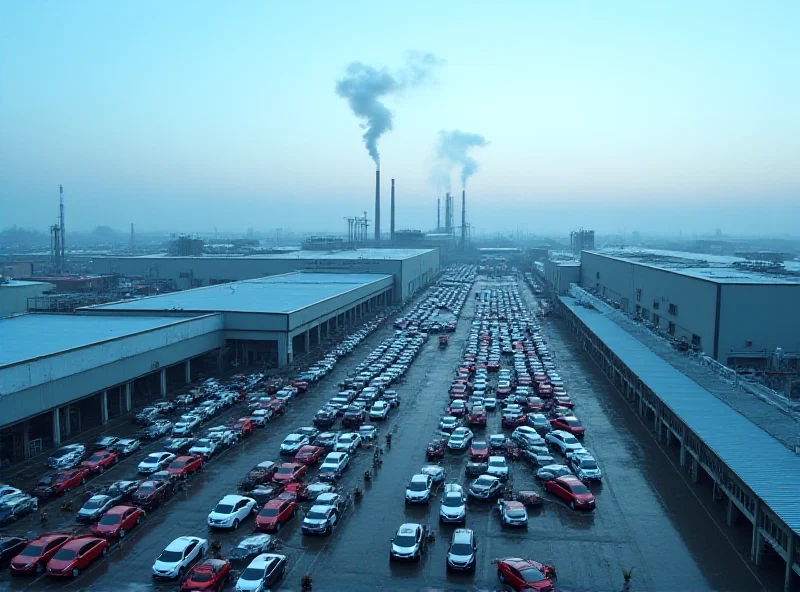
{"points": [[181, 543]]}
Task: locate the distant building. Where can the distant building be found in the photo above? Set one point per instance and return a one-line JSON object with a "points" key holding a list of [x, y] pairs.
{"points": [[14, 295]]}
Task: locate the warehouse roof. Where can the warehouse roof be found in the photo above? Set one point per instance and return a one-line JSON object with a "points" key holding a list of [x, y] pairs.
{"points": [[383, 254], [276, 294], [712, 268], [21, 284], [29, 336], [770, 469]]}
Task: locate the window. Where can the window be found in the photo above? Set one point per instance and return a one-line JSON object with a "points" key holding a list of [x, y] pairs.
{"points": [[645, 314], [695, 340], [656, 319], [656, 304], [748, 343], [673, 309], [671, 328]]}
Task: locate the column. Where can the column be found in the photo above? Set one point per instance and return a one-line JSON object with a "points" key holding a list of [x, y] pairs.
{"points": [[307, 341], [283, 350], [337, 321], [731, 512], [163, 381], [319, 334], [758, 540], [56, 427], [128, 395], [188, 372], [26, 438], [787, 580], [683, 453], [68, 420], [104, 407], [694, 470]]}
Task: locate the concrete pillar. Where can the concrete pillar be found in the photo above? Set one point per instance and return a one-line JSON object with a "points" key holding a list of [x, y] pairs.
{"points": [[337, 321], [26, 438], [683, 454], [694, 470], [319, 334], [163, 381], [787, 580], [731, 512], [68, 420], [104, 407], [283, 349], [56, 426], [188, 372], [128, 395], [306, 342], [757, 543]]}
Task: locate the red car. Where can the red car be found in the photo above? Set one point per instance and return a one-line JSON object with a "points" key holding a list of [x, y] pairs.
{"points": [[503, 391], [514, 422], [493, 366], [275, 513], [479, 451], [76, 555], [309, 455], [288, 472], [564, 401], [294, 492], [435, 449], [300, 385], [117, 521], [210, 574], [570, 489], [534, 403], [457, 408], [524, 380], [34, 557], [477, 417], [569, 424], [545, 390], [183, 466], [61, 482], [100, 461], [278, 406], [244, 426], [525, 574], [150, 493]]}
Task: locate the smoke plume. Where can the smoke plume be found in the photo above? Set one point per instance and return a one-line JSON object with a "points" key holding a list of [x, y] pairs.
{"points": [[453, 150], [364, 87]]}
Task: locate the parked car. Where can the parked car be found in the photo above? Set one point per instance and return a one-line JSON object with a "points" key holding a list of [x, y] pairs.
{"points": [[320, 519], [121, 491], [178, 556], [10, 546], [76, 555], [498, 467], [100, 460], [512, 513], [17, 505], [105, 442], [463, 549], [204, 447], [569, 424], [347, 442], [368, 433], [118, 521], [274, 514], [309, 455], [94, 508], [292, 443], [177, 445], [158, 428], [67, 457], [258, 475], [525, 574], [126, 446], [288, 472], [409, 543], [230, 511], [333, 466], [418, 489], [453, 506], [156, 461], [262, 573], [485, 487], [479, 451], [209, 574], [584, 467], [34, 557], [59, 483], [572, 491], [563, 441], [248, 548], [150, 494], [186, 465], [460, 439]]}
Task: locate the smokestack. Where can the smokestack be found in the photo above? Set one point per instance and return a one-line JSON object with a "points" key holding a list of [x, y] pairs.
{"points": [[391, 222], [63, 256], [438, 213], [447, 212], [463, 217], [377, 205]]}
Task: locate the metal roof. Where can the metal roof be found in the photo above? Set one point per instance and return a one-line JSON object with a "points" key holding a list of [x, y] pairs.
{"points": [[349, 255], [29, 336], [770, 469], [275, 294]]}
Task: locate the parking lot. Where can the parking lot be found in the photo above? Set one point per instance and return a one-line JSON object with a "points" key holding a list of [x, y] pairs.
{"points": [[645, 517]]}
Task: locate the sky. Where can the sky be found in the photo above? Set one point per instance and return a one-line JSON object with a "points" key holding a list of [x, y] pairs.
{"points": [[186, 116]]}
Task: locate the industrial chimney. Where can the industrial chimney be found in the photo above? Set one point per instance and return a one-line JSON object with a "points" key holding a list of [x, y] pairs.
{"points": [[63, 257], [463, 217], [447, 205], [438, 214], [391, 222], [377, 205]]}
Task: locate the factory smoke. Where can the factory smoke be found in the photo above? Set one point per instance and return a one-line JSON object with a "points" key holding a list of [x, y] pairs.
{"points": [[364, 87], [453, 150]]}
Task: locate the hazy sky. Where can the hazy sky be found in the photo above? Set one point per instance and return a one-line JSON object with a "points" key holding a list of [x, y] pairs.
{"points": [[612, 115]]}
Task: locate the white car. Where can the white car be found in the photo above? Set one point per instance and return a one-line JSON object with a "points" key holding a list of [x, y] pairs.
{"points": [[418, 490], [498, 467], [230, 511], [585, 468], [380, 410], [126, 446], [526, 437], [453, 507], [368, 432], [292, 443], [262, 573], [333, 466], [408, 542], [449, 423], [347, 442], [205, 447], [460, 439], [155, 462], [564, 441], [94, 508], [178, 555]]}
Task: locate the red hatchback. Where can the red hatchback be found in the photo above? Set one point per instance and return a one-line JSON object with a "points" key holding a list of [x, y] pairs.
{"points": [[278, 407], [100, 461], [457, 408], [525, 574], [288, 472], [275, 513], [570, 489], [61, 482], [34, 557], [569, 424], [210, 574], [479, 451], [76, 556], [309, 455], [294, 492], [183, 466], [117, 521], [244, 426]]}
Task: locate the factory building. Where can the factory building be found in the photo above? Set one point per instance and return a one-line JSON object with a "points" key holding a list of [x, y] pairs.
{"points": [[562, 273], [14, 295], [739, 312], [63, 374], [411, 268]]}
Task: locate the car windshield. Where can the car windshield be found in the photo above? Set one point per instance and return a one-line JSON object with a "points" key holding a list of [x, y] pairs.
{"points": [[46, 479], [223, 509], [32, 551], [461, 549], [65, 555], [203, 575], [515, 513], [497, 463], [93, 504], [268, 512], [484, 482], [531, 574], [179, 464], [452, 500], [418, 486], [170, 556], [147, 488], [153, 458], [405, 540], [252, 574], [109, 519], [96, 457], [570, 440], [573, 422], [579, 488], [285, 471], [588, 464], [313, 515], [203, 443]]}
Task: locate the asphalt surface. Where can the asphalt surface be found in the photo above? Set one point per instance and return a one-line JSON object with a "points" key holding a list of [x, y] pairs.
{"points": [[647, 517]]}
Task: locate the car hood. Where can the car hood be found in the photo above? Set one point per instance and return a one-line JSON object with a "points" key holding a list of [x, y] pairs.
{"points": [[162, 566], [402, 550], [412, 493], [249, 585], [459, 558], [453, 510], [217, 516], [314, 521]]}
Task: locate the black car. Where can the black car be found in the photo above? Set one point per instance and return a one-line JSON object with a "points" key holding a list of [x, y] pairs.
{"points": [[326, 440], [121, 491], [249, 548], [353, 417], [10, 546], [178, 445], [264, 493]]}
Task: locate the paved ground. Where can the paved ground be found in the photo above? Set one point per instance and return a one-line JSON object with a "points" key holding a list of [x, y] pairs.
{"points": [[646, 518]]}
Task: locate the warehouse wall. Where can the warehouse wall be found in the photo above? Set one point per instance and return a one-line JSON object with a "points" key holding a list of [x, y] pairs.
{"points": [[417, 272], [611, 277], [767, 316], [14, 297]]}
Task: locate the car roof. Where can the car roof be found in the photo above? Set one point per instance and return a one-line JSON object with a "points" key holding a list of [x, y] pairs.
{"points": [[232, 498], [513, 505], [329, 496], [420, 477], [181, 543], [99, 498], [571, 479], [462, 535], [496, 458], [265, 559], [408, 528]]}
